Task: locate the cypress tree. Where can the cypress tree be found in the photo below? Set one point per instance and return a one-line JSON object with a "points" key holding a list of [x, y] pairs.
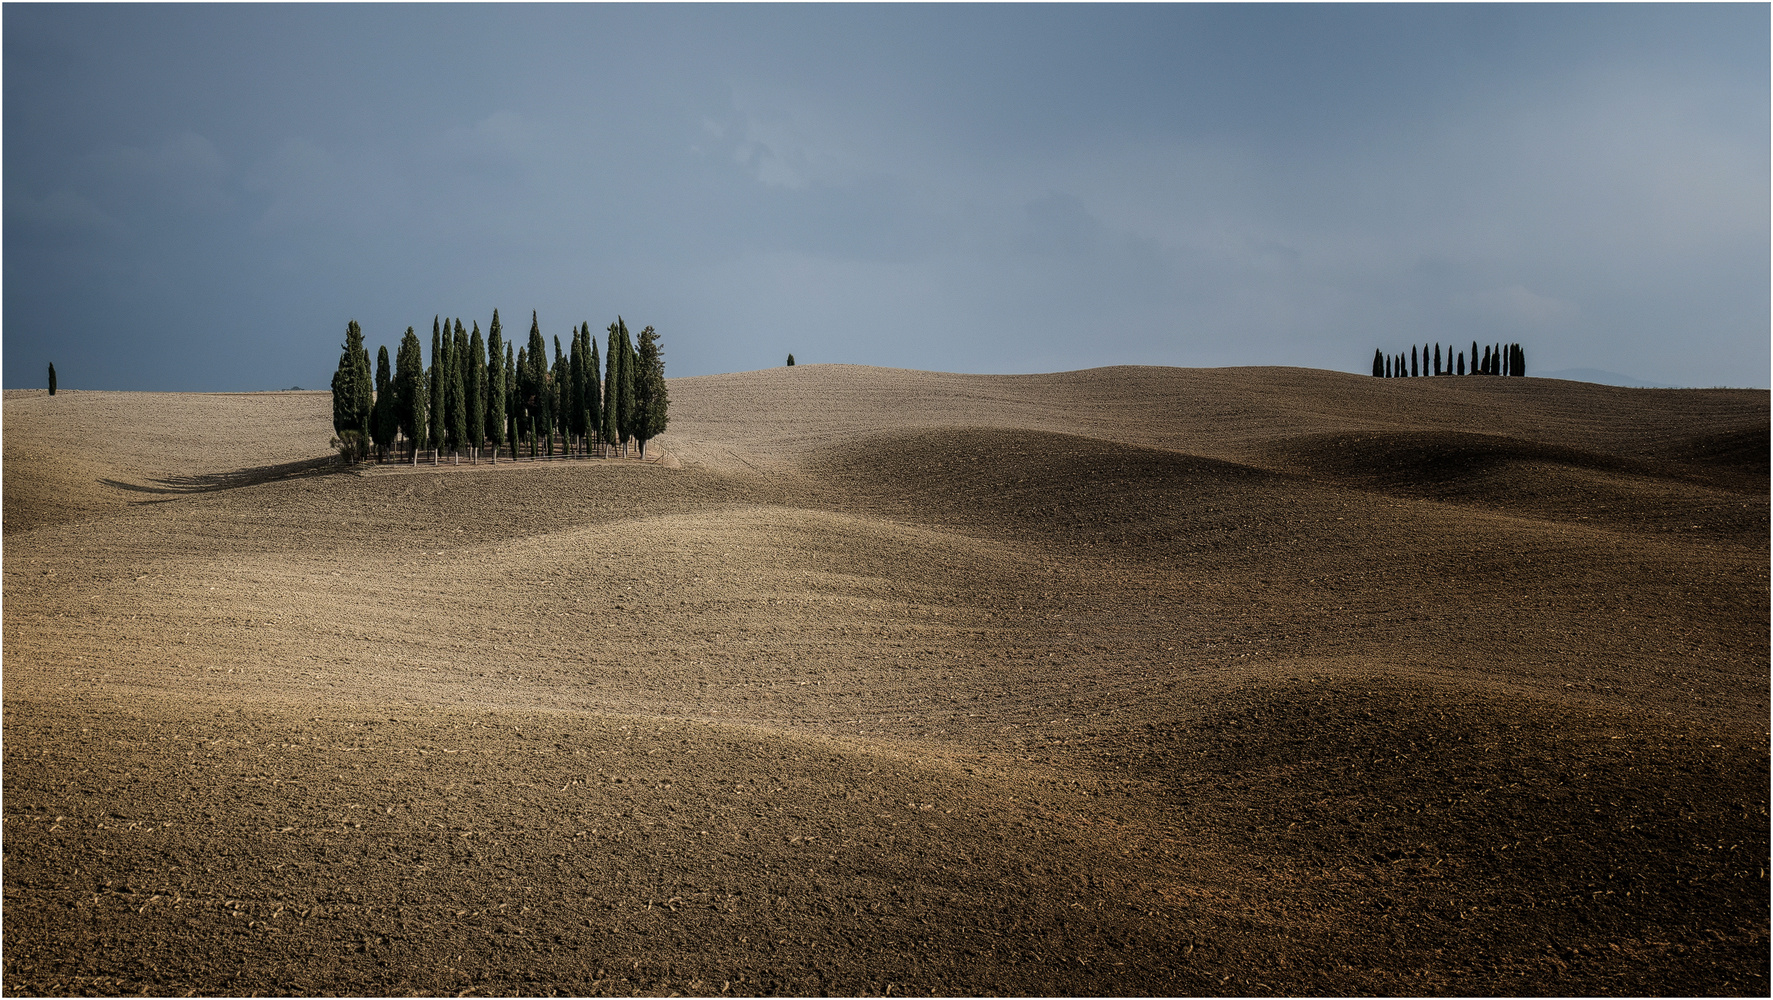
{"points": [[1437, 359], [52, 378], [511, 398], [1415, 371], [410, 393], [558, 381], [434, 433], [593, 394], [520, 412], [791, 361], [611, 395], [575, 364], [476, 392], [536, 410], [630, 361], [1474, 358], [352, 396], [1461, 362], [1378, 363], [456, 426], [495, 388], [651, 400], [382, 419]]}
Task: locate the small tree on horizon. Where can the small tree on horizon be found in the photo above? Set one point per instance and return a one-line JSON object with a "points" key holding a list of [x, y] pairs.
{"points": [[52, 378], [791, 361], [1378, 363]]}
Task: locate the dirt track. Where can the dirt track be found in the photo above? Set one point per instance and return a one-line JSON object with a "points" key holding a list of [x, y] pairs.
{"points": [[1239, 681]]}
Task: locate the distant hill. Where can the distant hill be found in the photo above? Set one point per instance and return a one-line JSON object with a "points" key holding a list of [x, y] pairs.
{"points": [[1600, 377]]}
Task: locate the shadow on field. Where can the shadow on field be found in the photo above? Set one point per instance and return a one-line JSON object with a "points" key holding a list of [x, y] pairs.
{"points": [[215, 481]]}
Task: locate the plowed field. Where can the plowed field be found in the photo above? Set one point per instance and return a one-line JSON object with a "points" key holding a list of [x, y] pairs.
{"points": [[1122, 681]]}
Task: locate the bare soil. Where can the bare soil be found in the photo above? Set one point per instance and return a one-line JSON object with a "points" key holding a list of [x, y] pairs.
{"points": [[1123, 681]]}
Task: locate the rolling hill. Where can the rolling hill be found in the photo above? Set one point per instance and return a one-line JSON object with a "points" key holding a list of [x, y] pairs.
{"points": [[1120, 681]]}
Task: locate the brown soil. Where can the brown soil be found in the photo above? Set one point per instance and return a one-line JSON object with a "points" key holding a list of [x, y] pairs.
{"points": [[1124, 681]]}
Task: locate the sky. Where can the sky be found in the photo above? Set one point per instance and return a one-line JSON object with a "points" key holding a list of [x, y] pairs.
{"points": [[202, 197]]}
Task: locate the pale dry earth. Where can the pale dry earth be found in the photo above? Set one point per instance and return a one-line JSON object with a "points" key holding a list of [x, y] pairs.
{"points": [[1123, 681]]}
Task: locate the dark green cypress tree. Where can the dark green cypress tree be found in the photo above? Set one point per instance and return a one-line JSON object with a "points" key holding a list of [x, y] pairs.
{"points": [[558, 381], [455, 396], [652, 402], [1378, 363], [611, 401], [537, 410], [630, 362], [522, 409], [495, 388], [352, 396], [382, 419], [476, 386], [52, 378], [593, 393], [1437, 359], [1461, 362], [434, 433], [791, 361], [511, 398], [575, 366], [410, 391], [1415, 370]]}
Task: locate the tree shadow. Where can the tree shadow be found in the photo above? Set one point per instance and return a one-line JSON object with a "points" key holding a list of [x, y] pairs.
{"points": [[214, 481]]}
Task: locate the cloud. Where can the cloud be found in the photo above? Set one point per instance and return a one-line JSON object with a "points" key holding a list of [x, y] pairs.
{"points": [[185, 171], [62, 212], [1520, 307]]}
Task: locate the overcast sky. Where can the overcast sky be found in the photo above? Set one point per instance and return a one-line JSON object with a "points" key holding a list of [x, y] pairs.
{"points": [[201, 197]]}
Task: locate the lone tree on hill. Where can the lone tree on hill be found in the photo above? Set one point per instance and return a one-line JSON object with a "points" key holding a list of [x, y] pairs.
{"points": [[791, 361], [651, 400], [52, 379]]}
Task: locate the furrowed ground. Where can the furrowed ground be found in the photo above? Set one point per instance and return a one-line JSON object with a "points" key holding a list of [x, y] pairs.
{"points": [[1123, 681]]}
